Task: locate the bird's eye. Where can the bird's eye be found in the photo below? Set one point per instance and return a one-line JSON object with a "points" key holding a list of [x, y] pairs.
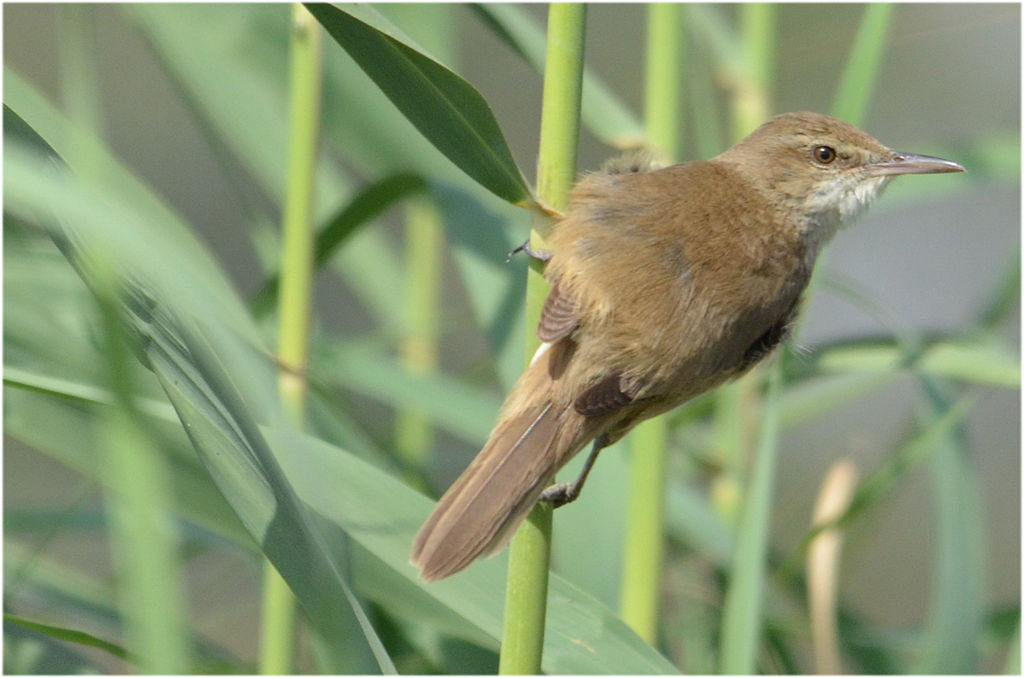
{"points": [[824, 154]]}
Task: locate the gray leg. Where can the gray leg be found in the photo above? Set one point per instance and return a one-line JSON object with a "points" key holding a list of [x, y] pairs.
{"points": [[561, 494]]}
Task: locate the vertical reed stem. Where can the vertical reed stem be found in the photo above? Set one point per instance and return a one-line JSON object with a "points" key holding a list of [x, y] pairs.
{"points": [[529, 556], [277, 632]]}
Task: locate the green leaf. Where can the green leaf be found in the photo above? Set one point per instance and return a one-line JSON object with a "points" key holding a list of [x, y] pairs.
{"points": [[143, 533], [193, 338], [132, 201], [27, 651], [461, 409], [382, 514], [53, 387], [283, 486], [977, 362], [216, 417], [70, 635], [446, 109]]}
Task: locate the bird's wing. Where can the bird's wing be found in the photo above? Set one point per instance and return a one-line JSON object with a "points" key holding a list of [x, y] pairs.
{"points": [[611, 394], [558, 317]]}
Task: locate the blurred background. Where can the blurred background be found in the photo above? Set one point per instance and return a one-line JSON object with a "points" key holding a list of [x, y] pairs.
{"points": [[928, 259]]}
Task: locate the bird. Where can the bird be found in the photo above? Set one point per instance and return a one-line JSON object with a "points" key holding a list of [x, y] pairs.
{"points": [[665, 282]]}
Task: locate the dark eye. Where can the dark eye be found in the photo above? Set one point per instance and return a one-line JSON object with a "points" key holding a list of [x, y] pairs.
{"points": [[824, 154]]}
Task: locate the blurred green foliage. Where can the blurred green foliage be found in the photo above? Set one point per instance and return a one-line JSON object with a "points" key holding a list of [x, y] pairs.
{"points": [[187, 373]]}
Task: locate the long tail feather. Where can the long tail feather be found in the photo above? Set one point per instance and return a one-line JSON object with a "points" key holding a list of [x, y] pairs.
{"points": [[481, 510]]}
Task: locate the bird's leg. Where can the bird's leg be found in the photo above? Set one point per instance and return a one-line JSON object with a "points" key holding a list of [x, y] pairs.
{"points": [[561, 494], [550, 212], [542, 255]]}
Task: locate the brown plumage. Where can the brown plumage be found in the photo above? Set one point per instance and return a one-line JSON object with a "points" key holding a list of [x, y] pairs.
{"points": [[664, 283]]}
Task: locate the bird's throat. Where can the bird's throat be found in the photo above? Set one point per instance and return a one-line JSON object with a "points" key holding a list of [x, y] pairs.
{"points": [[835, 205]]}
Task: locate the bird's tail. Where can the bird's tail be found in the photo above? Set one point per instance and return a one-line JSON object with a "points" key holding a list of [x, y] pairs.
{"points": [[481, 510]]}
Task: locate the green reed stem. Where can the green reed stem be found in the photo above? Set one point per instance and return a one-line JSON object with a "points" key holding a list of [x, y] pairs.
{"points": [[530, 553], [424, 240], [862, 65], [751, 97], [277, 632], [744, 599]]}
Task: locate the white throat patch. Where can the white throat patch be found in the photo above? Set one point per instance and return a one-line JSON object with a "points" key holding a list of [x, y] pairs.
{"points": [[837, 204]]}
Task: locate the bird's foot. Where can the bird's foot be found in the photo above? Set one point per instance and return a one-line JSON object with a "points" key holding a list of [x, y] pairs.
{"points": [[561, 494], [539, 255]]}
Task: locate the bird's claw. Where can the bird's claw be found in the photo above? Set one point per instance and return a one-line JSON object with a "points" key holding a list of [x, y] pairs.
{"points": [[560, 494], [542, 255]]}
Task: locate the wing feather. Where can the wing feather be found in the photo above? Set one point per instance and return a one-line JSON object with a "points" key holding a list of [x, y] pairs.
{"points": [[558, 317]]}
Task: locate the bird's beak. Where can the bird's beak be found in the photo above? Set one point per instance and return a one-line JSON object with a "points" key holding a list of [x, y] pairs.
{"points": [[912, 163]]}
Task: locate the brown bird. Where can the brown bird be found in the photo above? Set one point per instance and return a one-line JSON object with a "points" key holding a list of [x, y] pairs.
{"points": [[665, 283]]}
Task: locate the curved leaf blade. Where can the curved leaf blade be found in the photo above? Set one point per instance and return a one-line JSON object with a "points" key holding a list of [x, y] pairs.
{"points": [[446, 109], [382, 515], [187, 337], [70, 635]]}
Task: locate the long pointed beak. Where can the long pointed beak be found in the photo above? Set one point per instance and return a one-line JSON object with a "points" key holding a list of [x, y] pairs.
{"points": [[913, 163]]}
